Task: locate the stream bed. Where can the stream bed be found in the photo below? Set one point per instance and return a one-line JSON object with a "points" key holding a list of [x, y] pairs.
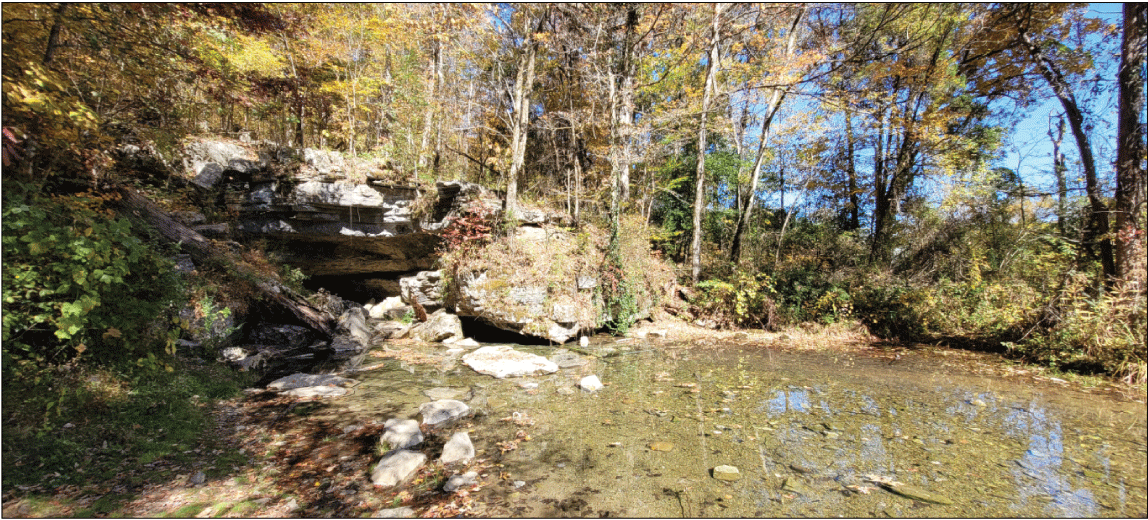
{"points": [[810, 433]]}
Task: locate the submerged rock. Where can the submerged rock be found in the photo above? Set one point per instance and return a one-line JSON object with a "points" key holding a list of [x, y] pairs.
{"points": [[504, 361], [397, 467], [726, 472]]}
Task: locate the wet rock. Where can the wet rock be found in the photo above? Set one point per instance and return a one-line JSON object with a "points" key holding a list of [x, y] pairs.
{"points": [[440, 325], [443, 412], [401, 433], [661, 446], [466, 343], [584, 341], [442, 392], [290, 336], [300, 380], [397, 467], [455, 482], [198, 478], [591, 383], [726, 472], [504, 361], [424, 287], [568, 360], [457, 449], [795, 485], [353, 322], [915, 493], [979, 403]]}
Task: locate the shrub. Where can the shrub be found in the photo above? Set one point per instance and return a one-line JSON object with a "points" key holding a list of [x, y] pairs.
{"points": [[77, 281], [746, 300]]}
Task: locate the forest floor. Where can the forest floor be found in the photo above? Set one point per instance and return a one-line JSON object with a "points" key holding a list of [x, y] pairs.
{"points": [[264, 456]]}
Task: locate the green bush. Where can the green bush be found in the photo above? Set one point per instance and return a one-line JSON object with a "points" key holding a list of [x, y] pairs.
{"points": [[77, 281], [746, 300]]}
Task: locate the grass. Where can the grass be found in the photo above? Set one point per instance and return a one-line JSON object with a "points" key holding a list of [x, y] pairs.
{"points": [[106, 420]]}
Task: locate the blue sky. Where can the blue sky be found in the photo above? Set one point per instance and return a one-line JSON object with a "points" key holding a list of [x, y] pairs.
{"points": [[1030, 147]]}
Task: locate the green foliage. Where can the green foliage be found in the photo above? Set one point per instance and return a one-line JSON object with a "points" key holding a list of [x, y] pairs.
{"points": [[746, 300], [78, 281], [1105, 333]]}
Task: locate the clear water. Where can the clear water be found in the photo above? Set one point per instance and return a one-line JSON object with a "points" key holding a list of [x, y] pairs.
{"points": [[810, 433]]}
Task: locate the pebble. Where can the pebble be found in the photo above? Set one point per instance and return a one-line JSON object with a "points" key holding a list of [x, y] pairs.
{"points": [[978, 402], [661, 446], [726, 472], [519, 483]]}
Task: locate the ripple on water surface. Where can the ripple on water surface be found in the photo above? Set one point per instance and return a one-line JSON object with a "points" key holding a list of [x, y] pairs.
{"points": [[811, 434]]}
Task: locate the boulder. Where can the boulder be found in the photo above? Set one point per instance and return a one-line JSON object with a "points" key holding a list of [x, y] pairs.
{"points": [[208, 160], [504, 361], [443, 412], [424, 288], [440, 326], [457, 449], [390, 308], [289, 336], [395, 512], [401, 433], [397, 467], [353, 322]]}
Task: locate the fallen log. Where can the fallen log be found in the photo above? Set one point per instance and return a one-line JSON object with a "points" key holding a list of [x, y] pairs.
{"points": [[279, 299]]}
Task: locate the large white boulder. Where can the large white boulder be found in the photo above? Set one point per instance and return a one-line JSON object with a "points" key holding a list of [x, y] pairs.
{"points": [[503, 361]]}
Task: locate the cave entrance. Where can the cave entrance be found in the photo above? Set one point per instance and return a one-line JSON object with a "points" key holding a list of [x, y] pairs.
{"points": [[483, 332]]}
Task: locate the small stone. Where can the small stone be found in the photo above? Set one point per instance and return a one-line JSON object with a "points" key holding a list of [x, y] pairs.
{"points": [[198, 478], [565, 390], [519, 483], [455, 482], [661, 446], [394, 512], [584, 341], [832, 435], [528, 385], [979, 403], [591, 383], [725, 472]]}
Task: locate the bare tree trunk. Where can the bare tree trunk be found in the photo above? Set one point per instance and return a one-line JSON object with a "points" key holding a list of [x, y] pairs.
{"points": [[699, 193], [851, 169], [1130, 182], [775, 99], [1096, 226], [280, 299], [1059, 168], [523, 83], [434, 73], [54, 34]]}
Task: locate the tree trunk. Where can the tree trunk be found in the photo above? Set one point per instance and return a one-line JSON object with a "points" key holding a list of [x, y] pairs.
{"points": [[521, 118], [1096, 225], [1059, 168], [851, 168], [699, 193], [54, 34], [434, 72], [1130, 182], [775, 99], [280, 300]]}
